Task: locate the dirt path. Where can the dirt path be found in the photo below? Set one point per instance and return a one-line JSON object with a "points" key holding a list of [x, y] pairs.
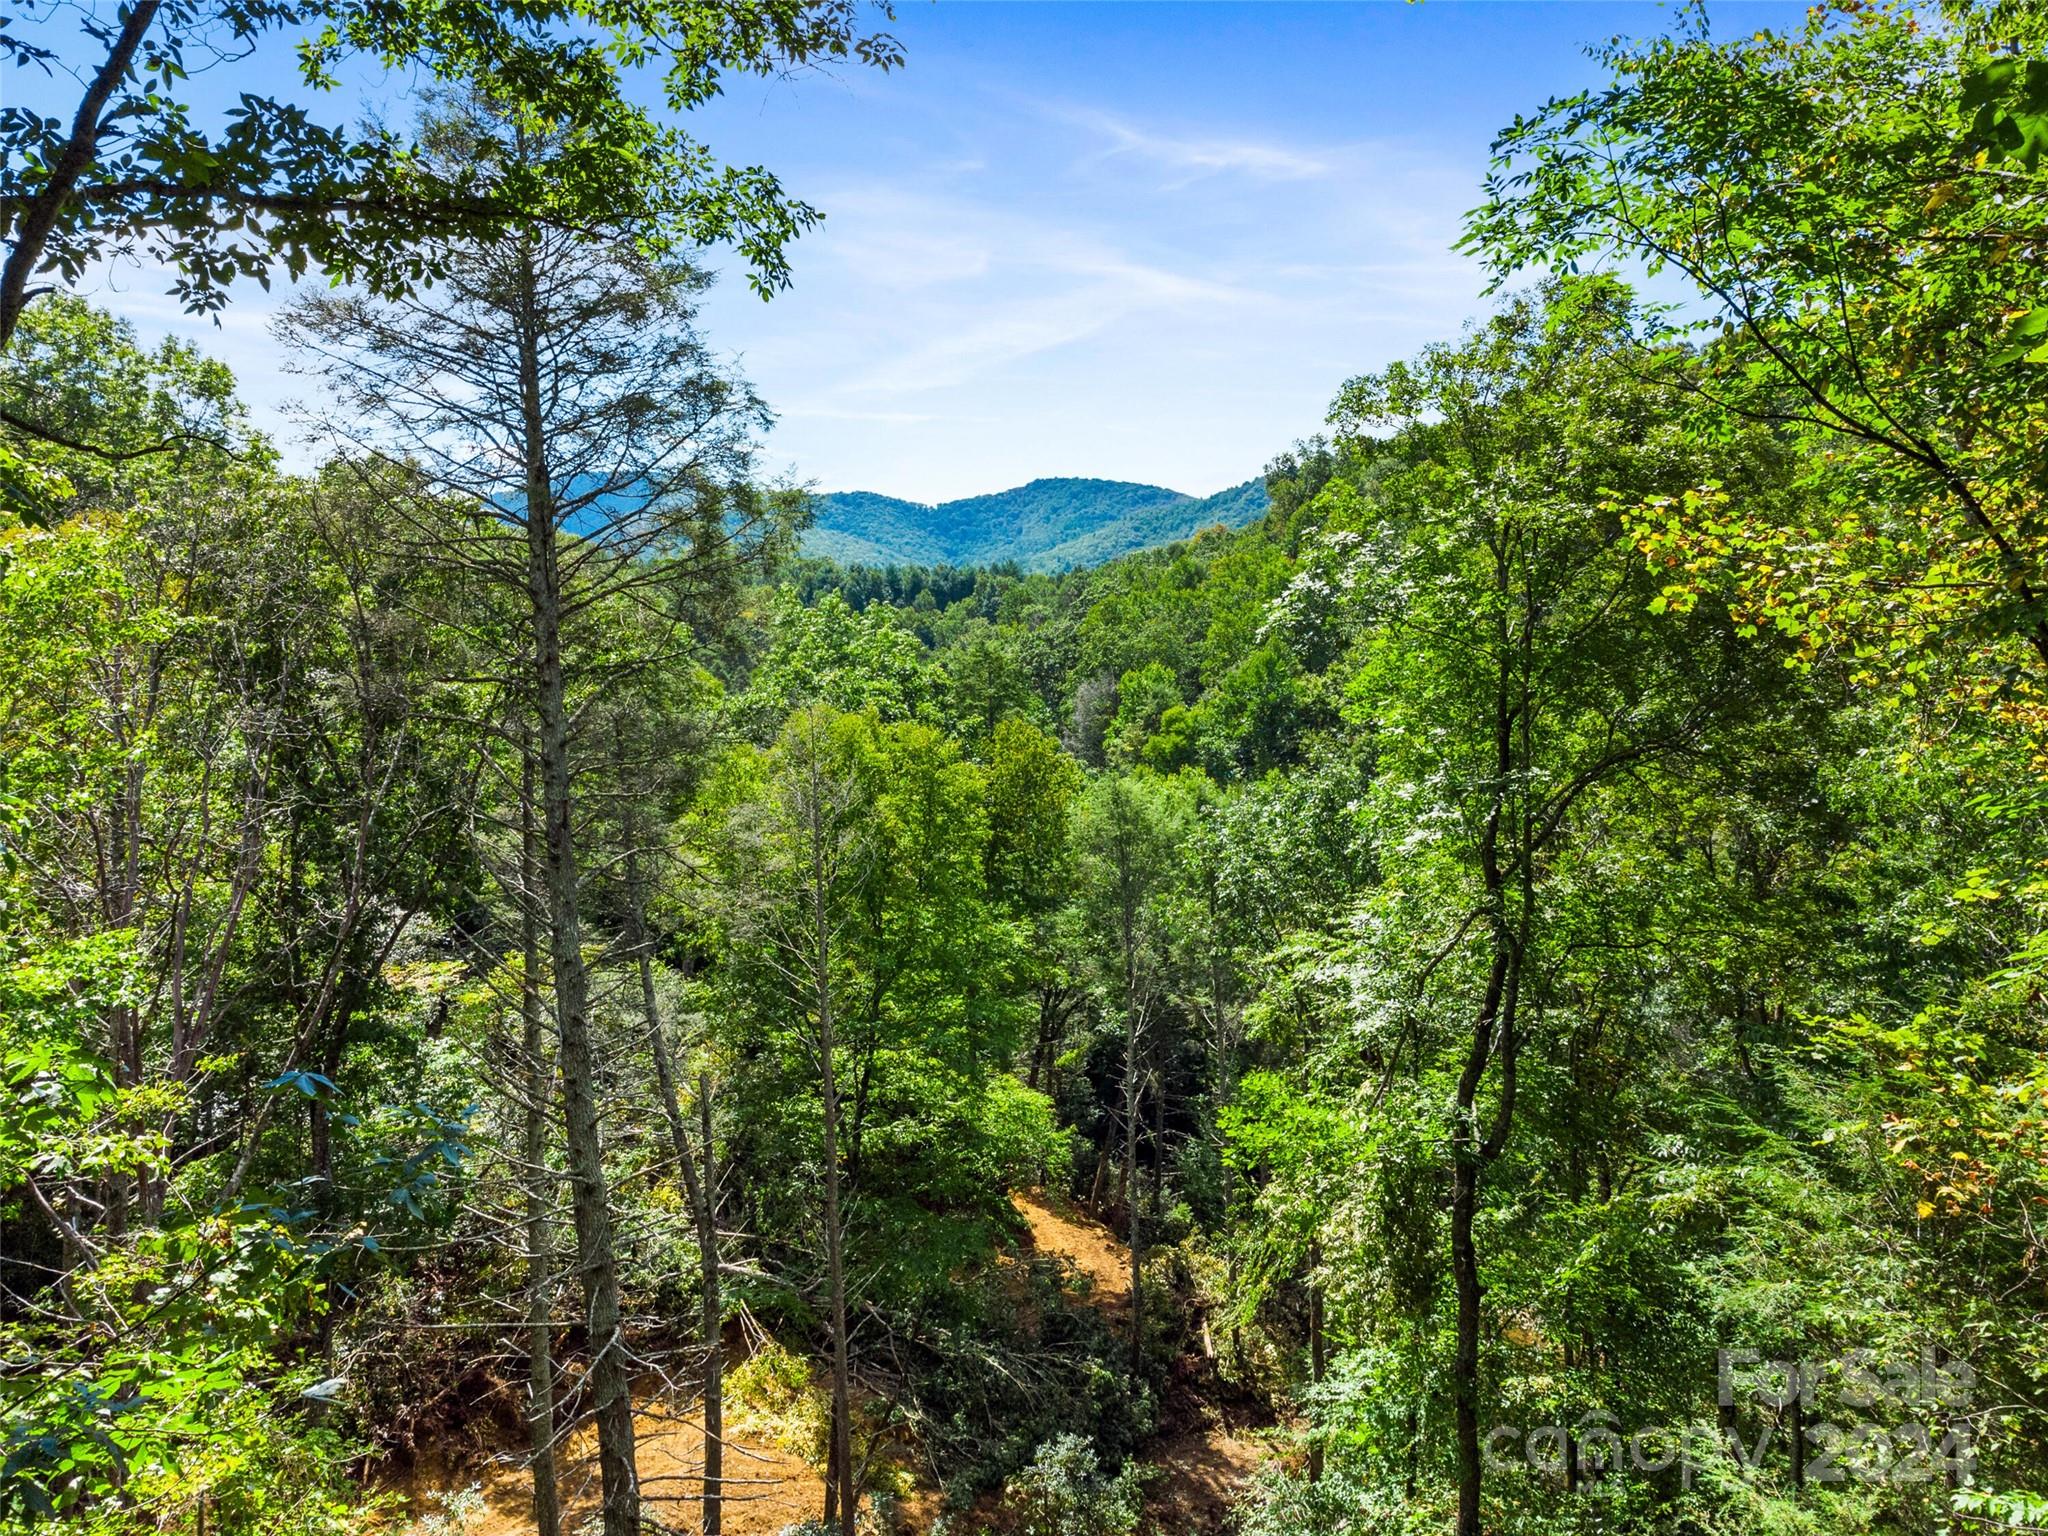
{"points": [[767, 1488], [1205, 1454], [1202, 1474], [1058, 1231], [1209, 1450]]}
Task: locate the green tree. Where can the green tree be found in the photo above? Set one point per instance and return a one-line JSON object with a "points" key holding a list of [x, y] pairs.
{"points": [[873, 990], [221, 818], [1856, 201], [132, 167], [1125, 833], [1512, 674], [625, 478]]}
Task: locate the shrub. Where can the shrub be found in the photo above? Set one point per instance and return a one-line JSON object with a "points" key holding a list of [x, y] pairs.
{"points": [[770, 1394], [1066, 1492]]}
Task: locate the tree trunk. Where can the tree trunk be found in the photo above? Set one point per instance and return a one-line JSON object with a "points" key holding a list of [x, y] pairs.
{"points": [[1223, 1091], [320, 1139], [702, 1195], [1471, 1151], [1796, 1425], [538, 1087], [596, 1258], [1158, 1145], [1571, 1444], [1465, 1363], [1470, 1156], [125, 1028], [37, 216], [1132, 1200], [840, 1477], [1039, 1046], [714, 1323], [1411, 1429], [831, 1516]]}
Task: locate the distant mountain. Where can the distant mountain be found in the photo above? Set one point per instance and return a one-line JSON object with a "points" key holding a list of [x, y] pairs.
{"points": [[1048, 525]]}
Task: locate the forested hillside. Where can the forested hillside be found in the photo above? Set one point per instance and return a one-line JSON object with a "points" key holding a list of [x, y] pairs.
{"points": [[1048, 525], [1497, 985]]}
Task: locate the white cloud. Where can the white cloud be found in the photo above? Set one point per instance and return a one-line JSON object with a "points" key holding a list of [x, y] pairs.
{"points": [[139, 292], [1005, 335], [805, 412], [1139, 288], [892, 257], [1198, 155], [908, 293], [954, 334]]}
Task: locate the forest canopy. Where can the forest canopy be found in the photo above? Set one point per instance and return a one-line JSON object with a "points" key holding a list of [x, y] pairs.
{"points": [[1503, 995]]}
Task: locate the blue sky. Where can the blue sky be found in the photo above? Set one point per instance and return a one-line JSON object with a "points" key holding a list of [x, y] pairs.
{"points": [[1145, 241]]}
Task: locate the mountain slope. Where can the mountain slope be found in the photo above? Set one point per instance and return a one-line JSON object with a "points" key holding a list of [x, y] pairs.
{"points": [[859, 527], [1046, 525], [1151, 526]]}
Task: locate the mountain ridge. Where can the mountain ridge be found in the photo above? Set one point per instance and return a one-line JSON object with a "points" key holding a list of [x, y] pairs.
{"points": [[1048, 524]]}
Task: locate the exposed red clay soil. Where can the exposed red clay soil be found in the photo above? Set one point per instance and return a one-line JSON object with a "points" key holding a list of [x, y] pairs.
{"points": [[1094, 1252], [766, 1488], [1207, 1450], [1212, 1439], [1201, 1475]]}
